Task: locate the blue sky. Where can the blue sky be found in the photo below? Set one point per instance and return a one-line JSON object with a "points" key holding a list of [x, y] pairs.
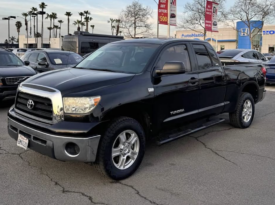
{"points": [[101, 11]]}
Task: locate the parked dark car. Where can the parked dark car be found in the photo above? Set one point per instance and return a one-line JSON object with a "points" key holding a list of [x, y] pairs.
{"points": [[12, 73], [268, 55], [270, 71], [105, 108], [173, 15], [47, 60]]}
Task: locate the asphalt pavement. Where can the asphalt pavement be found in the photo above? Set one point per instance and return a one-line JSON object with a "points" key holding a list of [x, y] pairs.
{"points": [[220, 165]]}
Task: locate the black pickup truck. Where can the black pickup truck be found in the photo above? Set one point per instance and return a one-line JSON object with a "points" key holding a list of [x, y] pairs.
{"points": [[105, 108]]}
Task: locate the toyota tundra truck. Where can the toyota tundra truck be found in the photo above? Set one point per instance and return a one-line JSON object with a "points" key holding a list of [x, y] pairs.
{"points": [[104, 109]]}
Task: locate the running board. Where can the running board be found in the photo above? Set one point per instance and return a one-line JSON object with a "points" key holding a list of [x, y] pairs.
{"points": [[178, 135]]}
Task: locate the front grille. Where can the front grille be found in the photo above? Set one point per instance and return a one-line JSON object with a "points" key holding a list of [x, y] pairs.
{"points": [[15, 80], [42, 108]]}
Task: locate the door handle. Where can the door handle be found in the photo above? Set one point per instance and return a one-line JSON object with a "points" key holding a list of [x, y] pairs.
{"points": [[193, 81]]}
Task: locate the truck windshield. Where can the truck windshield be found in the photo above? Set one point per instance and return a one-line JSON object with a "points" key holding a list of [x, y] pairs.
{"points": [[64, 58], [120, 57], [9, 59]]}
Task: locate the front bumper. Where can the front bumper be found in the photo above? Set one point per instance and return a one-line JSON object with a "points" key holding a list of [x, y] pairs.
{"points": [[54, 145]]}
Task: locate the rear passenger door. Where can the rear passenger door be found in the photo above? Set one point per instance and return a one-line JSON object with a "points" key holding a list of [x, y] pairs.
{"points": [[211, 80]]}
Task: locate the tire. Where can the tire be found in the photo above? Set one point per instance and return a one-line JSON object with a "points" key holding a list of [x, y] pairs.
{"points": [[236, 118], [111, 141]]}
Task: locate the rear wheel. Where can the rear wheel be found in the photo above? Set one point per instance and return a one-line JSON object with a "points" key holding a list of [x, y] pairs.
{"points": [[244, 114], [122, 148]]}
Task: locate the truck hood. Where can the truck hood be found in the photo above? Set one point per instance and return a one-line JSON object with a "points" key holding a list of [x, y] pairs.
{"points": [[11, 71], [78, 80]]}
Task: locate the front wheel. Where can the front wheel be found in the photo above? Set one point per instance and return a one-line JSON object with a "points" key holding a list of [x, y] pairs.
{"points": [[122, 148], [244, 113]]}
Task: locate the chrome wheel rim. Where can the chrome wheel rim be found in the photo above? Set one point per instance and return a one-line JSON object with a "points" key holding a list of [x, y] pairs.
{"points": [[125, 149], [247, 111]]}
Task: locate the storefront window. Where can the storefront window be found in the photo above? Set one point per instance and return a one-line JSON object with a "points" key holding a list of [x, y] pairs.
{"points": [[222, 47]]}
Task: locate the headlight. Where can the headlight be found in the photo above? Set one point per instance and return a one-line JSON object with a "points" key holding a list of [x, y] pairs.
{"points": [[80, 105]]}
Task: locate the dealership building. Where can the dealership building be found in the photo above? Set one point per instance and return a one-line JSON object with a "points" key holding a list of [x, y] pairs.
{"points": [[232, 38]]}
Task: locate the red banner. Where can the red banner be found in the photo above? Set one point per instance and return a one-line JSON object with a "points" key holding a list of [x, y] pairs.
{"points": [[163, 12], [211, 12]]}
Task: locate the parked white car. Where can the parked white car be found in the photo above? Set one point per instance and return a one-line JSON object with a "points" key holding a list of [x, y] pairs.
{"points": [[241, 55]]}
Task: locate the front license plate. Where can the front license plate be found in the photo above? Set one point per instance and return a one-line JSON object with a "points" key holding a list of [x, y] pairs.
{"points": [[22, 141]]}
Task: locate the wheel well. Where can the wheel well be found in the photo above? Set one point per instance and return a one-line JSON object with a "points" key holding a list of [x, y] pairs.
{"points": [[253, 90], [133, 112]]}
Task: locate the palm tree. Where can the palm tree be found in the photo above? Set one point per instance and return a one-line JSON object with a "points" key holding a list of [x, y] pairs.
{"points": [[55, 27], [60, 22], [18, 25], [42, 6], [92, 26], [54, 17], [33, 11], [26, 24], [82, 24], [68, 14], [12, 39], [86, 19], [30, 14], [81, 14], [50, 32], [77, 23]]}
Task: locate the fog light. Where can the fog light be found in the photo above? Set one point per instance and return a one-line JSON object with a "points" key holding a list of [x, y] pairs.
{"points": [[72, 149]]}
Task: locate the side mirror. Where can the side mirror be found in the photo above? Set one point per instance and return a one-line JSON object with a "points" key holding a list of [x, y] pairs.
{"points": [[175, 67], [263, 59], [27, 63], [42, 63]]}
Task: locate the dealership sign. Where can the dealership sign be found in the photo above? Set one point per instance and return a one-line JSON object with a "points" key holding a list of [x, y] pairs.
{"points": [[191, 35], [271, 32], [163, 12], [211, 16]]}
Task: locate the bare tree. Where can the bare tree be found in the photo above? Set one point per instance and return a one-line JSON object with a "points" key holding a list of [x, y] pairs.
{"points": [[194, 15], [135, 20], [248, 10]]}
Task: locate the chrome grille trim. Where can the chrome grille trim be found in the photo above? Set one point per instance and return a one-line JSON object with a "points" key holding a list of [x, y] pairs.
{"points": [[55, 97]]}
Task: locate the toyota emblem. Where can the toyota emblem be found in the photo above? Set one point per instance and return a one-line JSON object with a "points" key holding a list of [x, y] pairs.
{"points": [[30, 104]]}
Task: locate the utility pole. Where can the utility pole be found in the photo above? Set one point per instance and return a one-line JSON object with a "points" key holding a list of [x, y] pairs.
{"points": [[157, 20], [8, 19], [168, 23]]}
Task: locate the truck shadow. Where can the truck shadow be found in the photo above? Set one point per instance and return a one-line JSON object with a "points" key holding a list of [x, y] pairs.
{"points": [[6, 103]]}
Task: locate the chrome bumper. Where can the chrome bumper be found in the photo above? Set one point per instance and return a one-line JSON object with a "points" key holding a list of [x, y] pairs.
{"points": [[54, 145]]}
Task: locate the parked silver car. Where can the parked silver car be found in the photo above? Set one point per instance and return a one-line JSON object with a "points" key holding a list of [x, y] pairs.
{"points": [[241, 55]]}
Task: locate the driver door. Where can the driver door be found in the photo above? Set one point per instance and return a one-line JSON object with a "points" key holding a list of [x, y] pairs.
{"points": [[176, 95]]}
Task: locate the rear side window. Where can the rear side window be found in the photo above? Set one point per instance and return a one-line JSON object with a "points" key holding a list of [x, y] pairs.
{"points": [[228, 53], [33, 57], [250, 55], [175, 53], [213, 55], [88, 47], [203, 58]]}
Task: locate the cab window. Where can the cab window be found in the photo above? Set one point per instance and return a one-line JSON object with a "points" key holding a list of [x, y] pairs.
{"points": [[175, 53], [203, 58]]}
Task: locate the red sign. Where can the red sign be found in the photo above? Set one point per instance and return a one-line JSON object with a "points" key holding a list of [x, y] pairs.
{"points": [[211, 12], [163, 12]]}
